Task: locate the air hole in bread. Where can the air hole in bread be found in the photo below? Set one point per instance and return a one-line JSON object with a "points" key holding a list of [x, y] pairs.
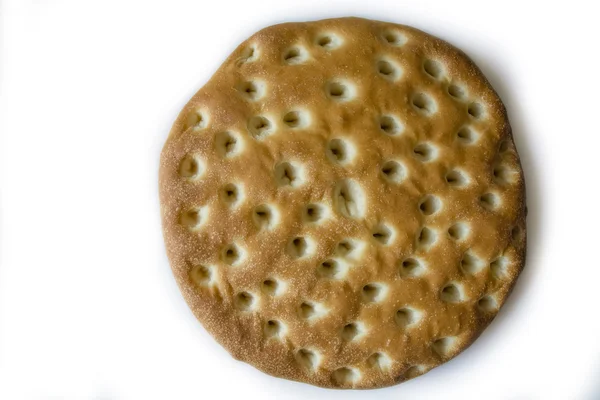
{"points": [[296, 119], [314, 212], [502, 175], [425, 152], [329, 41], [307, 310], [273, 329], [457, 92], [260, 127], [196, 119], [350, 248], [394, 37], [340, 151], [489, 201], [487, 304], [393, 171], [424, 103], [340, 91], [324, 41], [390, 125], [444, 346], [345, 376], [292, 119], [232, 194], [499, 267], [332, 269], [311, 311], [459, 231], [476, 110], [345, 247], [295, 55], [202, 275], [380, 361], [517, 234], [308, 359], [467, 135], [414, 371], [411, 267], [452, 293], [352, 331], [272, 287], [471, 264], [374, 292], [288, 174], [228, 144], [191, 167], [232, 254], [433, 68], [252, 90], [383, 234], [265, 216], [244, 301], [406, 317], [194, 218], [504, 146], [388, 70], [249, 54], [427, 237], [191, 218], [299, 247], [429, 205], [457, 178], [349, 199]]}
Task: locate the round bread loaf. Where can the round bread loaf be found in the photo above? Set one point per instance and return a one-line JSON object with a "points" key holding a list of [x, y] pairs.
{"points": [[343, 203]]}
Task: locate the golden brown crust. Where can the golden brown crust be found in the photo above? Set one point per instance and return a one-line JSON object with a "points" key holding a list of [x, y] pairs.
{"points": [[346, 131]]}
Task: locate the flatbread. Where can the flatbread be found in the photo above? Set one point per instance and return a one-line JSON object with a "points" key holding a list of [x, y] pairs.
{"points": [[343, 203]]}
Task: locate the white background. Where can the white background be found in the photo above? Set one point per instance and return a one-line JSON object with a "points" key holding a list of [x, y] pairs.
{"points": [[89, 89]]}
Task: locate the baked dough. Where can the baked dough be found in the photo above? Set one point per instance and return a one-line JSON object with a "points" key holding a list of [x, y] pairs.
{"points": [[343, 203]]}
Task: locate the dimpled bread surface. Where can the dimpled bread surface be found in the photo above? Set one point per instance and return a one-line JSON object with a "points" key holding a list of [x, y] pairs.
{"points": [[343, 203]]}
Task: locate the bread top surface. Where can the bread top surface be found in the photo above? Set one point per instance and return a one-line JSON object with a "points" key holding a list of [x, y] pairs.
{"points": [[343, 204]]}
